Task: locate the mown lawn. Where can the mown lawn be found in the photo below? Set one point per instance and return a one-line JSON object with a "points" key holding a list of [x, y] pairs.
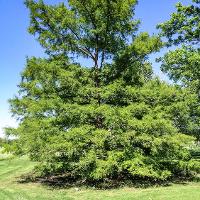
{"points": [[11, 189]]}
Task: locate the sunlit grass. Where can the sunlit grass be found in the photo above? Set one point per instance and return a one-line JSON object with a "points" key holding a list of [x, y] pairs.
{"points": [[11, 189]]}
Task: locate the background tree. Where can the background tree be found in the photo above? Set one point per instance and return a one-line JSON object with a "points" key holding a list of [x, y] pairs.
{"points": [[183, 64], [106, 121]]}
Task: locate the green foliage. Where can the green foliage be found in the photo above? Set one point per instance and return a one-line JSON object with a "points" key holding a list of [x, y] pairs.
{"points": [[135, 132], [83, 26], [2, 141], [108, 121], [132, 63], [183, 27], [183, 64]]}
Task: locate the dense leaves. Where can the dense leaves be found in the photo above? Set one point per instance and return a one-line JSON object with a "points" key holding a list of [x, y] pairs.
{"points": [[135, 132], [111, 120], [183, 64], [183, 28], [90, 28]]}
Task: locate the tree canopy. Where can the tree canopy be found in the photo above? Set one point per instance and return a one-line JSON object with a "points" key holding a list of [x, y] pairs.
{"points": [[108, 121], [183, 64], [183, 29], [183, 26]]}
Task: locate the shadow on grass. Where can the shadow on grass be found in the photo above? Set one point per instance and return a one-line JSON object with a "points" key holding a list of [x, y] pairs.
{"points": [[64, 181]]}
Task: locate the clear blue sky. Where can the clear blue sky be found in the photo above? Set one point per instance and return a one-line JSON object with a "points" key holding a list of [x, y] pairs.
{"points": [[16, 43]]}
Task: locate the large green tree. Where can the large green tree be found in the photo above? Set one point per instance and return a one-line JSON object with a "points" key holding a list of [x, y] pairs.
{"points": [[106, 121]]}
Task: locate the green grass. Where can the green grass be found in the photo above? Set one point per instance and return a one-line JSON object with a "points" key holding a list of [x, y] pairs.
{"points": [[11, 189]]}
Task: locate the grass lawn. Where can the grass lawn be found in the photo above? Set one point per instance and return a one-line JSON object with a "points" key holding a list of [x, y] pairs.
{"points": [[10, 189]]}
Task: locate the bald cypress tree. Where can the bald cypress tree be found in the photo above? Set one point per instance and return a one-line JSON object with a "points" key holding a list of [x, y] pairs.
{"points": [[109, 120]]}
